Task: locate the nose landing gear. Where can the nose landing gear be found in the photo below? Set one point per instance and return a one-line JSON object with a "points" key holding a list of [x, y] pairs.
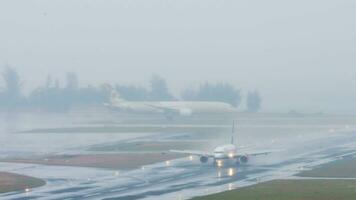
{"points": [[243, 159], [204, 159], [238, 163]]}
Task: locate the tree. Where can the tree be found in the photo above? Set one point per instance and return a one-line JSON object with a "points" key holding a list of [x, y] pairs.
{"points": [[159, 89], [49, 81], [189, 94], [253, 101], [133, 93], [11, 95], [56, 84], [12, 83], [72, 81], [222, 92]]}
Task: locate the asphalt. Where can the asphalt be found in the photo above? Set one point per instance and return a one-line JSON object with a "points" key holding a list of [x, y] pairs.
{"points": [[181, 178]]}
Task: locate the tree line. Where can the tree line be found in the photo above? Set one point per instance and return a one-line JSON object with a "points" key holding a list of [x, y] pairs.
{"points": [[52, 96]]}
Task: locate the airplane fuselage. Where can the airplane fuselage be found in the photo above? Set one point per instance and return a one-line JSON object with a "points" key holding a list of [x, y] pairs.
{"points": [[228, 151], [184, 108]]}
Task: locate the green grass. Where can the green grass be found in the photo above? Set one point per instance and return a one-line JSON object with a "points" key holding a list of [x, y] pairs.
{"points": [[292, 190], [13, 182], [302, 189], [345, 168]]}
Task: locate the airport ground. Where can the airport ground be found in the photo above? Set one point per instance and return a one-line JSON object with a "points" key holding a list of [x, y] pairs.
{"points": [[118, 161], [14, 182], [78, 147], [333, 181]]}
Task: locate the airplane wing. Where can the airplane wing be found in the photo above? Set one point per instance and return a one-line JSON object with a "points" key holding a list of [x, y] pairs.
{"points": [[259, 153], [191, 152]]}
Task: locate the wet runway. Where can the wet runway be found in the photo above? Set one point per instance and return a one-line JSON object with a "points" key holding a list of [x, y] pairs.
{"points": [[182, 178]]}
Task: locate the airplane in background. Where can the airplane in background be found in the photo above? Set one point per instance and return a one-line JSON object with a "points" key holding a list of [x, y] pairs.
{"points": [[224, 153], [168, 108]]}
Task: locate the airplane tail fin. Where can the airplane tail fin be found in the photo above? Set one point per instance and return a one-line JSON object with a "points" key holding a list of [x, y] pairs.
{"points": [[115, 98], [233, 132]]}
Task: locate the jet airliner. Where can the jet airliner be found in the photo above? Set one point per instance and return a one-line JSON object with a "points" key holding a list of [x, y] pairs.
{"points": [[227, 152], [169, 108]]}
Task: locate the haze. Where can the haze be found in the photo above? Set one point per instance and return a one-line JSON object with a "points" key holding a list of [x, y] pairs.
{"points": [[298, 54]]}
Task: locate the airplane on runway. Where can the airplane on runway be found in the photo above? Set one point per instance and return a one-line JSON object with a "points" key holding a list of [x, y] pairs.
{"points": [[227, 152], [168, 108]]}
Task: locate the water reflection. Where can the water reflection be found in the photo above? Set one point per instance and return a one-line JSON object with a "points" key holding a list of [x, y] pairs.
{"points": [[230, 186], [219, 163], [219, 174], [15, 143], [229, 172], [168, 163]]}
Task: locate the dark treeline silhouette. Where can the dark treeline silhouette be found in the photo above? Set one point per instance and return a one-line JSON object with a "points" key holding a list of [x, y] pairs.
{"points": [[61, 99], [133, 93], [214, 92], [158, 91], [52, 96], [253, 101], [11, 94]]}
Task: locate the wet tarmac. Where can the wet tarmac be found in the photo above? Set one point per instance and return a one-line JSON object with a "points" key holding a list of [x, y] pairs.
{"points": [[182, 178]]}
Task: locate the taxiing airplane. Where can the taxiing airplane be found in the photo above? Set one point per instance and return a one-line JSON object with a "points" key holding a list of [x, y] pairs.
{"points": [[169, 108], [227, 152]]}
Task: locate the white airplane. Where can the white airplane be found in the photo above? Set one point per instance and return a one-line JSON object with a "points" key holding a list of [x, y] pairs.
{"points": [[168, 108], [224, 153]]}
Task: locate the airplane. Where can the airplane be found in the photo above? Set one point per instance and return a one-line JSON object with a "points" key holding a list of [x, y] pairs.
{"points": [[224, 153], [168, 108]]}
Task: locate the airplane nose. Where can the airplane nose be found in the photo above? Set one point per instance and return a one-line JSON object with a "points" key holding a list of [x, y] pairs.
{"points": [[218, 155]]}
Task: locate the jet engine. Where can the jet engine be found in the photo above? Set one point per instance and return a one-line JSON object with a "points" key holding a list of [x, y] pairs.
{"points": [[185, 112], [243, 159], [204, 159]]}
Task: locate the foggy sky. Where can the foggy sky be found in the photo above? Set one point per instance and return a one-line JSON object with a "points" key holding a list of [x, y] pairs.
{"points": [[299, 54]]}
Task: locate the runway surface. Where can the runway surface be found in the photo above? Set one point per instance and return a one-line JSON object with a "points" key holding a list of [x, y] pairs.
{"points": [[181, 178]]}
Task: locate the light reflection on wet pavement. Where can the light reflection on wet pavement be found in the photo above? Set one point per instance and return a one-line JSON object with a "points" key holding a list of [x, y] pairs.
{"points": [[181, 178]]}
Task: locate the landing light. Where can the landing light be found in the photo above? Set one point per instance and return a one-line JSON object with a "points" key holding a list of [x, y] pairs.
{"points": [[116, 173], [191, 158], [168, 163], [231, 172], [27, 190], [219, 163], [231, 155]]}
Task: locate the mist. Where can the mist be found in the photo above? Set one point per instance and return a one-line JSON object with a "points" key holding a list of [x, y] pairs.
{"points": [[299, 54], [167, 99]]}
